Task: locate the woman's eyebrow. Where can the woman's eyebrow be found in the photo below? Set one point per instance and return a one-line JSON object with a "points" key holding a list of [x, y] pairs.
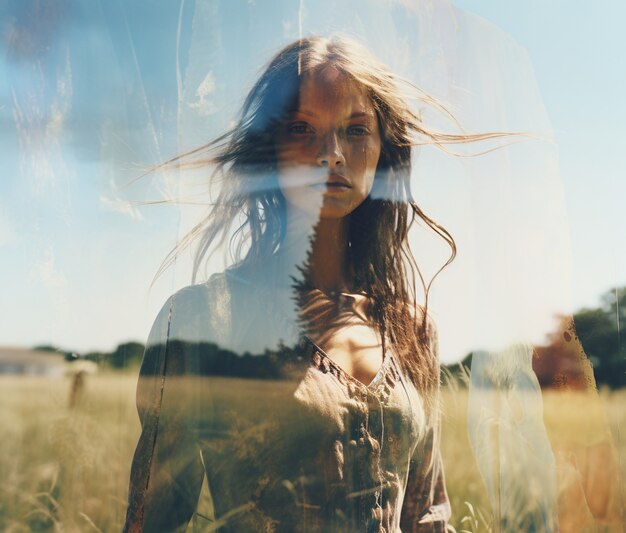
{"points": [[361, 114], [356, 114], [305, 112]]}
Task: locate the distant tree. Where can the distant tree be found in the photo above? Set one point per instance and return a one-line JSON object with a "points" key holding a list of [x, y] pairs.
{"points": [[96, 357], [47, 348], [457, 372], [70, 357], [614, 302], [600, 332], [126, 355]]}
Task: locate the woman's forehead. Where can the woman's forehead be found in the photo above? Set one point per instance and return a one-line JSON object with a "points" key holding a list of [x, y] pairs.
{"points": [[331, 91]]}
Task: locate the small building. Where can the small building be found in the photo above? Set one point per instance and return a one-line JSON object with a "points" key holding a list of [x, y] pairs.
{"points": [[27, 362]]}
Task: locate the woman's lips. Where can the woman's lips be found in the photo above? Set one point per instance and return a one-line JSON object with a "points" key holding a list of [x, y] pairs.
{"points": [[336, 182]]}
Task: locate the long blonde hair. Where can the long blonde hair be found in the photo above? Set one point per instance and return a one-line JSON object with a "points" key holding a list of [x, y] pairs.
{"points": [[380, 257]]}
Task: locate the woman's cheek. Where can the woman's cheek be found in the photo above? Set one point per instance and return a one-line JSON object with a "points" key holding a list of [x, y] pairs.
{"points": [[372, 156]]}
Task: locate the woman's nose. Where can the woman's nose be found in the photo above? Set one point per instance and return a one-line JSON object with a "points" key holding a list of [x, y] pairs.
{"points": [[331, 153]]}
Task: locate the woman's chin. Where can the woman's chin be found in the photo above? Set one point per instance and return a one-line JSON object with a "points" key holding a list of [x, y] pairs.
{"points": [[320, 209], [334, 206], [333, 213]]}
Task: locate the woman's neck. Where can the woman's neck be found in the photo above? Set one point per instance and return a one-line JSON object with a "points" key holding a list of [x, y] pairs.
{"points": [[328, 263], [322, 246]]}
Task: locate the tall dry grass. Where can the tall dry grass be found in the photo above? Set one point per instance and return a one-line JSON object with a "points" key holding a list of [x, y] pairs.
{"points": [[67, 470]]}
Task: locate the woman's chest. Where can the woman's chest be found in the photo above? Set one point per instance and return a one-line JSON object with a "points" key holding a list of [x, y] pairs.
{"points": [[356, 348], [264, 319], [325, 445]]}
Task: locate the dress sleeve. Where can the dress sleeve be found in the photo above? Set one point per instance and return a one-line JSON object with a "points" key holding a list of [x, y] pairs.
{"points": [[426, 508], [166, 472]]}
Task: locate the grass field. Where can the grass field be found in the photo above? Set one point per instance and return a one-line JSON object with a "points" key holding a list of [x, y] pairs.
{"points": [[67, 469]]}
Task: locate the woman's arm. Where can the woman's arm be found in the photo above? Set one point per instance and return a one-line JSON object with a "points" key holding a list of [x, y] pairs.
{"points": [[426, 507], [167, 473]]}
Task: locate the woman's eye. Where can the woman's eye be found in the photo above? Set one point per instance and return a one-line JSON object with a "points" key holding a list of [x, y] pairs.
{"points": [[300, 128], [358, 130]]}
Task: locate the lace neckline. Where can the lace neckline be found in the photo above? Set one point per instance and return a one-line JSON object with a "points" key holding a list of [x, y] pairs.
{"points": [[382, 383]]}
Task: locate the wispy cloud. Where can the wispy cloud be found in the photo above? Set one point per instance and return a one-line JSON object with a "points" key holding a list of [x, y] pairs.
{"points": [[40, 123], [204, 105], [46, 272], [119, 205]]}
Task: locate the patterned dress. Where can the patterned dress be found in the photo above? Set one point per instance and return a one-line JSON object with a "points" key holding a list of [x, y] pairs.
{"points": [[288, 441]]}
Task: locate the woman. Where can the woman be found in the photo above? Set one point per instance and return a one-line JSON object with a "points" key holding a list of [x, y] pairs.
{"points": [[339, 429]]}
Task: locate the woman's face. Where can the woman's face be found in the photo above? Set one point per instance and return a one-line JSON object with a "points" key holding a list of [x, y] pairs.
{"points": [[328, 151]]}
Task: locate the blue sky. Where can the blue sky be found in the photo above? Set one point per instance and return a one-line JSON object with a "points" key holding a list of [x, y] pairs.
{"points": [[89, 98], [577, 51]]}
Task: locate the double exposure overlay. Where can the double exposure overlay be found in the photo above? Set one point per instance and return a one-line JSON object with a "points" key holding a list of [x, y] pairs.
{"points": [[297, 266]]}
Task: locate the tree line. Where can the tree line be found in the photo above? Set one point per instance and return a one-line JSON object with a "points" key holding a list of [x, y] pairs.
{"points": [[599, 330]]}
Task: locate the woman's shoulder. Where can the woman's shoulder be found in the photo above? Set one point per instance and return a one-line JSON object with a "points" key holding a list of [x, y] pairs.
{"points": [[209, 296], [195, 313], [197, 298], [204, 312]]}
